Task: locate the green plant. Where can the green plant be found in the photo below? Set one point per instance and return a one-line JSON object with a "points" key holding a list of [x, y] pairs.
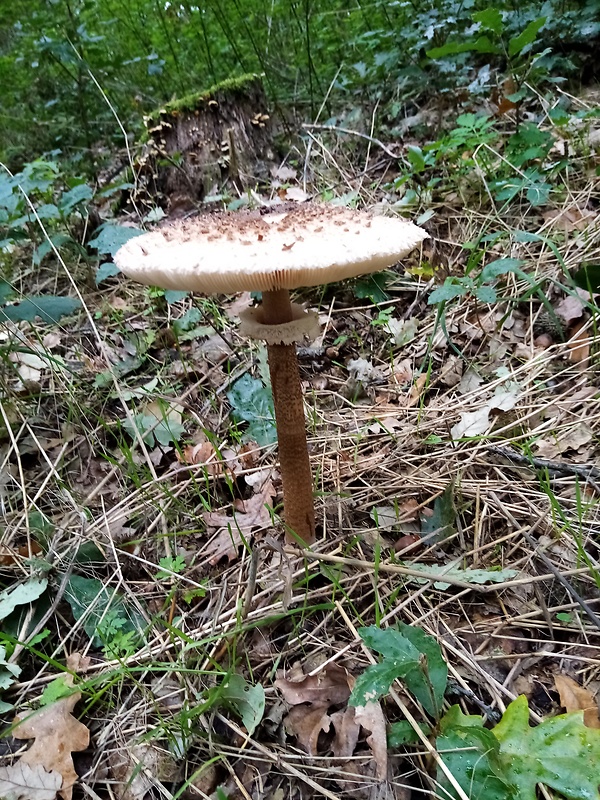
{"points": [[504, 763]]}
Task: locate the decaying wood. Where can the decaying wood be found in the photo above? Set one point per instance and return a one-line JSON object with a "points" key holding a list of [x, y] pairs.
{"points": [[203, 143]]}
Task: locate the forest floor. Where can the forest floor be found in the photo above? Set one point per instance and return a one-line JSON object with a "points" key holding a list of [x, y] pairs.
{"points": [[451, 445]]}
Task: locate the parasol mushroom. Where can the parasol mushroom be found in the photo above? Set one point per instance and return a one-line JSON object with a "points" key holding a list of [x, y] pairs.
{"points": [[272, 252]]}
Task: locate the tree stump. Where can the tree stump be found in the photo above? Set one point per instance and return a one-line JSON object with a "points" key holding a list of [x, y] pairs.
{"points": [[214, 142]]}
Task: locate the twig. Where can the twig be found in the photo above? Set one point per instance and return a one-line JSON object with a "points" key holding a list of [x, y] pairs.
{"points": [[314, 127], [587, 471]]}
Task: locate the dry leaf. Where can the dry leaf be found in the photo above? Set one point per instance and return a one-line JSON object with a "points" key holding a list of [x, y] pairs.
{"points": [[283, 173], [329, 687], [347, 731], [370, 716], [22, 782], [249, 514], [572, 438], [202, 453], [574, 697], [306, 724], [571, 307], [56, 734], [137, 768], [474, 423], [579, 345]]}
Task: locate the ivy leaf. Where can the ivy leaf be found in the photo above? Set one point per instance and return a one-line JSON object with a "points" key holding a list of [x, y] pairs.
{"points": [[252, 402]]}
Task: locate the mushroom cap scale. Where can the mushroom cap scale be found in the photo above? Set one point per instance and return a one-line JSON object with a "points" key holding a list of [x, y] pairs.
{"points": [[307, 245]]}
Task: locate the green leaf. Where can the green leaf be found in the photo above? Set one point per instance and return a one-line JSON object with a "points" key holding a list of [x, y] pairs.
{"points": [[399, 657], [165, 430], [55, 690], [448, 291], [486, 294], [500, 267], [511, 759], [78, 194], [246, 700], [106, 270], [58, 240], [561, 753], [588, 277], [24, 593], [372, 287], [427, 681], [110, 237], [472, 754], [252, 402], [8, 674], [416, 158], [50, 308], [481, 45], [490, 19], [441, 524], [175, 296], [402, 732], [466, 575], [527, 36], [105, 611]]}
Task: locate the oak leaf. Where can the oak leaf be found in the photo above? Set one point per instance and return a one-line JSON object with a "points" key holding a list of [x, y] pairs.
{"points": [[574, 697], [56, 734], [21, 782]]}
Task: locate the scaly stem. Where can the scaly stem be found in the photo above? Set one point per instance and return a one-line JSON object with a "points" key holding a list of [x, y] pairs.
{"points": [[294, 463]]}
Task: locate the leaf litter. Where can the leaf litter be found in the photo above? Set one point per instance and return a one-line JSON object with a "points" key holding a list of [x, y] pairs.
{"points": [[138, 508]]}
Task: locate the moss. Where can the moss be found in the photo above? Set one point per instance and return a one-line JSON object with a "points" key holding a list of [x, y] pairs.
{"points": [[191, 102]]}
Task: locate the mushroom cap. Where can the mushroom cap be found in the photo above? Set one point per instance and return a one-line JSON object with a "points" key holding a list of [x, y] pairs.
{"points": [[305, 245]]}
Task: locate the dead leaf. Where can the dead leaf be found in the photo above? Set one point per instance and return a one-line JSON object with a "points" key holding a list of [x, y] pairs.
{"points": [[202, 453], [370, 716], [571, 307], [56, 734], [236, 527], [306, 724], [137, 768], [579, 345], [574, 697], [571, 438], [347, 731], [283, 173], [296, 194], [329, 687], [22, 782], [474, 423]]}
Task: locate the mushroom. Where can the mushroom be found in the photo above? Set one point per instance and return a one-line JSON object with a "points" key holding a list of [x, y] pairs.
{"points": [[272, 252]]}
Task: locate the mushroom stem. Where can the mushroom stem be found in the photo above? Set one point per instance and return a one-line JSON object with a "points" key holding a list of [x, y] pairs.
{"points": [[291, 425]]}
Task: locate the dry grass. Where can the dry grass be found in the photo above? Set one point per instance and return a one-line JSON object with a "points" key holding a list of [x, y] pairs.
{"points": [[384, 442]]}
